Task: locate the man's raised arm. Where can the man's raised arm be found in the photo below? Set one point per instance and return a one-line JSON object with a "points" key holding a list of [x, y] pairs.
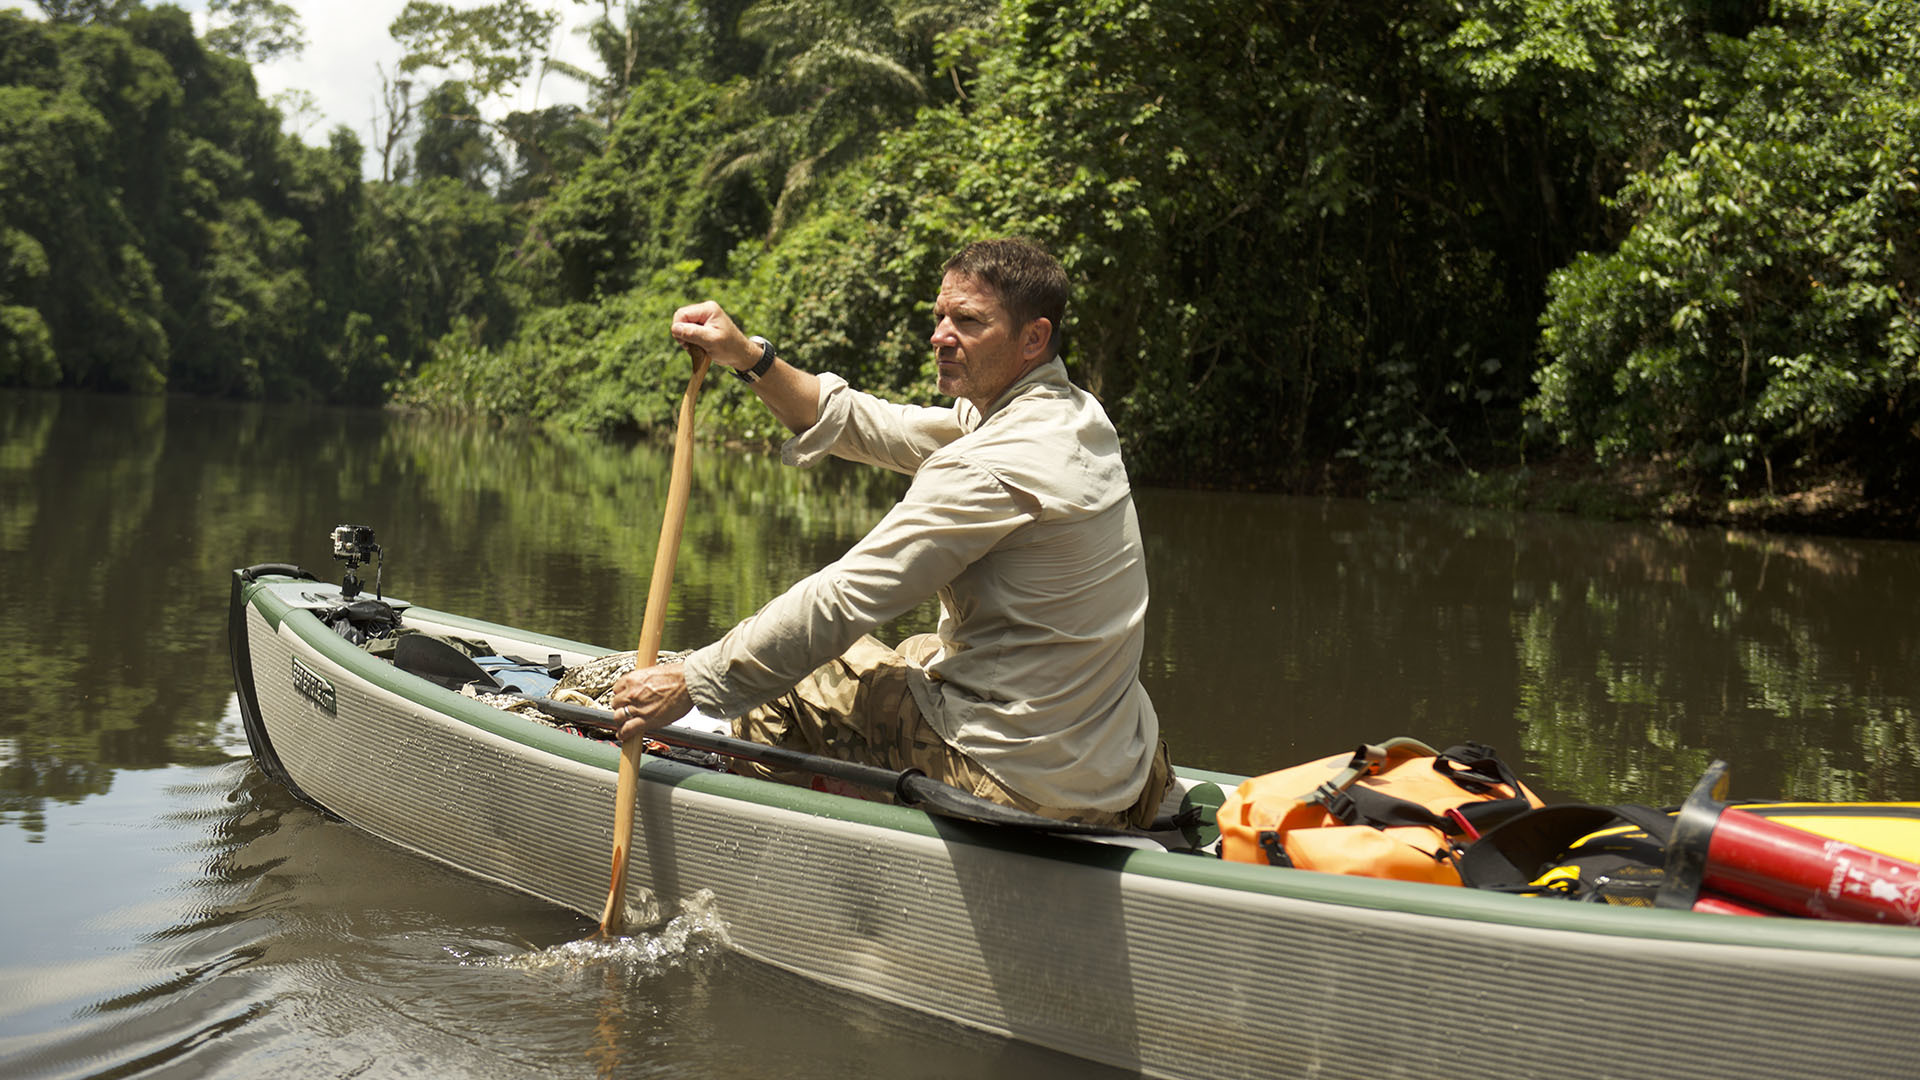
{"points": [[792, 395]]}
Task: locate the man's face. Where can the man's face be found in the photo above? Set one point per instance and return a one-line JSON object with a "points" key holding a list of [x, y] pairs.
{"points": [[979, 350]]}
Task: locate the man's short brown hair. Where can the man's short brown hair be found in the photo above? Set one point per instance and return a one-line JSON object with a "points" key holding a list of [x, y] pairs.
{"points": [[1029, 281]]}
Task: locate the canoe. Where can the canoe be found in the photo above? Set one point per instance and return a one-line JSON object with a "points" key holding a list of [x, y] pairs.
{"points": [[1139, 952]]}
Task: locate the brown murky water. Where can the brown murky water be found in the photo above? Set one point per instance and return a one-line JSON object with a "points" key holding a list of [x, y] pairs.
{"points": [[166, 911]]}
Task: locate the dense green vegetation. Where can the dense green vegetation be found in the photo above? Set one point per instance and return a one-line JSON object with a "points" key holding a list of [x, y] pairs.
{"points": [[1317, 244]]}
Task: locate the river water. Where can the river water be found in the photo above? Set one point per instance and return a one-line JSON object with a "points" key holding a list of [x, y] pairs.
{"points": [[166, 911]]}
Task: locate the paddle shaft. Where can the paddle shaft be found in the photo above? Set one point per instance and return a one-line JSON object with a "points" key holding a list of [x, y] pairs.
{"points": [[652, 628]]}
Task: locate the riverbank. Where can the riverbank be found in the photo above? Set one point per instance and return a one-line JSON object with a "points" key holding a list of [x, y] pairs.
{"points": [[1835, 503]]}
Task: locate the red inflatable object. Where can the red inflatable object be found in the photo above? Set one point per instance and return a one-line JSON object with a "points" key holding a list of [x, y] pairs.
{"points": [[1721, 849], [1806, 874], [1727, 905]]}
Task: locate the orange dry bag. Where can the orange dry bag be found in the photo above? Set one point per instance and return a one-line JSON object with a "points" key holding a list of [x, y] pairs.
{"points": [[1398, 810]]}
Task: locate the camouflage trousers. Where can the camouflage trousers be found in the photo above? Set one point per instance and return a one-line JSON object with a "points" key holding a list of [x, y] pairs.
{"points": [[859, 708]]}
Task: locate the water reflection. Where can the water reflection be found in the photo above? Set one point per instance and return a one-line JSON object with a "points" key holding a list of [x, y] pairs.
{"points": [[1620, 659], [1789, 657], [146, 949]]}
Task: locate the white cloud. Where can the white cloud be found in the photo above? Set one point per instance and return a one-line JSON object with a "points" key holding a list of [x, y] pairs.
{"points": [[346, 39]]}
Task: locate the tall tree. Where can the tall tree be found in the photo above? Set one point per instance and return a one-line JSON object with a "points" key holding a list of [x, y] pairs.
{"points": [[255, 30], [491, 48], [835, 75], [453, 142], [85, 124], [393, 120], [88, 11], [630, 39]]}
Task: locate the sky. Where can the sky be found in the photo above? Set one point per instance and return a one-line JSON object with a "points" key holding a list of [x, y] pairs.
{"points": [[347, 38]]}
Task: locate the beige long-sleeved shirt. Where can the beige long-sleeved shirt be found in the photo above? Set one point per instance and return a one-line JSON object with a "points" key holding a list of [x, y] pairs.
{"points": [[1022, 521]]}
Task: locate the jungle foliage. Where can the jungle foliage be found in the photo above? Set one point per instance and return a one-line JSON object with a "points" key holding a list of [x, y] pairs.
{"points": [[1314, 243], [159, 232]]}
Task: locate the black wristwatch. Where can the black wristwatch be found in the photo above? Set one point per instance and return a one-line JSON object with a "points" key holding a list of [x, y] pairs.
{"points": [[767, 357]]}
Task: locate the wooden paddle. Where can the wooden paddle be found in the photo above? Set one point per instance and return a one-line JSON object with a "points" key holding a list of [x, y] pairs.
{"points": [[652, 627]]}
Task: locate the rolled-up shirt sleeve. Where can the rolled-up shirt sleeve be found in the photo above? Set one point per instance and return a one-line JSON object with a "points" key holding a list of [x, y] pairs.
{"points": [[952, 515], [863, 428]]}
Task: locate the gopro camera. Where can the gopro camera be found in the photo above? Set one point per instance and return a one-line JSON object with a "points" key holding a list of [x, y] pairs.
{"points": [[353, 545]]}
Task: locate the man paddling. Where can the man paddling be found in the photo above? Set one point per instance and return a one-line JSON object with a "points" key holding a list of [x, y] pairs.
{"points": [[1019, 517]]}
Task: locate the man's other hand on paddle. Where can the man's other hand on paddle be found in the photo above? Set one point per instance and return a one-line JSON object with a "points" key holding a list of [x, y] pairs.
{"points": [[650, 697]]}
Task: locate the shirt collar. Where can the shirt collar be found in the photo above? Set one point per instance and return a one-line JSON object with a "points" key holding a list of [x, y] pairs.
{"points": [[1053, 373]]}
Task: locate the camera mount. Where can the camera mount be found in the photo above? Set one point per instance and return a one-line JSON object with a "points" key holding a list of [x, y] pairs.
{"points": [[353, 545]]}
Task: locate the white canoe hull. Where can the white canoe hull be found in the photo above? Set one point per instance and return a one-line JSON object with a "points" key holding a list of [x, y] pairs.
{"points": [[1168, 964]]}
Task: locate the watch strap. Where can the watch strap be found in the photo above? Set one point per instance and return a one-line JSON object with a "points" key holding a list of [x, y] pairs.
{"points": [[767, 356]]}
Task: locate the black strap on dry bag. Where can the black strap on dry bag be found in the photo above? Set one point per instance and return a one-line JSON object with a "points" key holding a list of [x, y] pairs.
{"points": [[1474, 767]]}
